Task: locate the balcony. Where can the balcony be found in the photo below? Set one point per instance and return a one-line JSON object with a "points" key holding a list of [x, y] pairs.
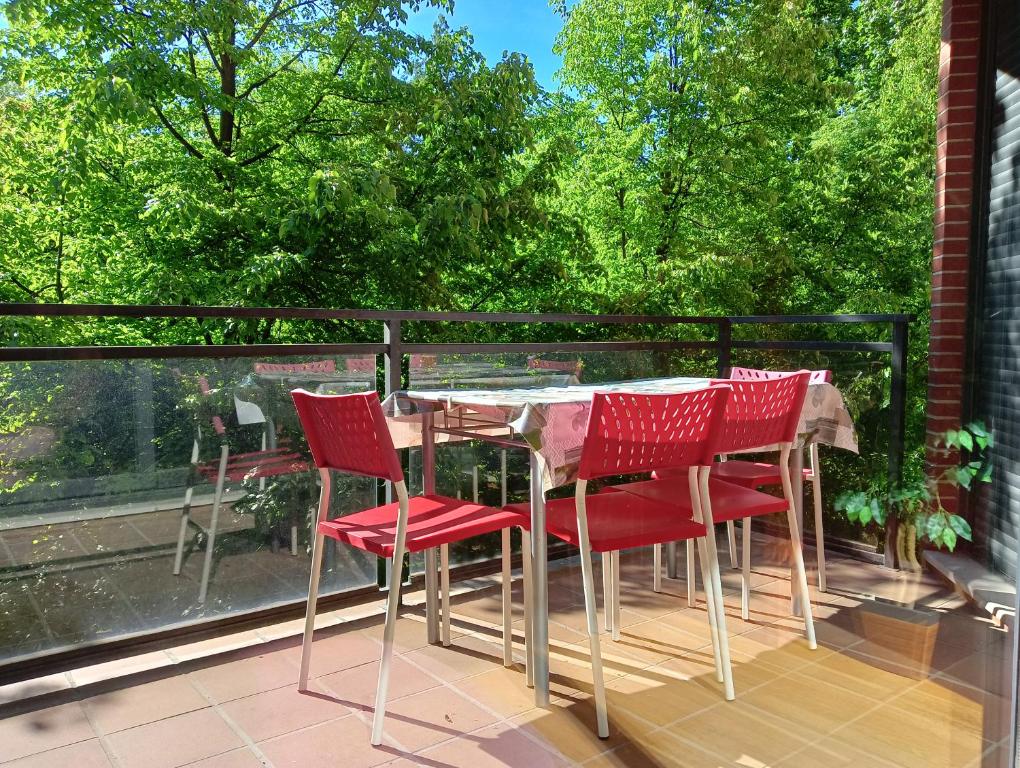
{"points": [[232, 700], [109, 657]]}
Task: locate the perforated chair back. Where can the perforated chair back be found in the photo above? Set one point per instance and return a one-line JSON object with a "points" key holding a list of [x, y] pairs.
{"points": [[566, 366], [629, 433], [348, 433], [316, 366], [762, 413], [757, 374]]}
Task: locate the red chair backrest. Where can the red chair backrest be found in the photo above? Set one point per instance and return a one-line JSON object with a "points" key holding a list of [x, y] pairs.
{"points": [[318, 366], [420, 362], [568, 366], [629, 433], [217, 422], [360, 364], [757, 374], [762, 412], [348, 433]]}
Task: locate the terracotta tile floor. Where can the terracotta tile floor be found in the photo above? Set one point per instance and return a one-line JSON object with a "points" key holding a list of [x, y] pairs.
{"points": [[849, 703]]}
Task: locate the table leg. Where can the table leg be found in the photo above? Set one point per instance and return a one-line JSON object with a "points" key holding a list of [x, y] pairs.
{"points": [[428, 472], [540, 584], [672, 571], [797, 483]]}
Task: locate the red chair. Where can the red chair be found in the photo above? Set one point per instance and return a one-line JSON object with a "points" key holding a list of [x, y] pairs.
{"points": [[628, 434], [753, 474], [348, 433], [760, 414], [267, 462], [316, 366]]}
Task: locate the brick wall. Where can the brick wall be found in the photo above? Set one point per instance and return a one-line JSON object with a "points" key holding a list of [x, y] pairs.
{"points": [[954, 199]]}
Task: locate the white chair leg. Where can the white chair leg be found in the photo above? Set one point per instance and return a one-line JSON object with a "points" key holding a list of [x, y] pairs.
{"points": [[710, 609], [607, 591], [444, 557], [616, 595], [745, 565], [798, 552], [529, 647], [816, 492], [588, 577], [692, 599], [210, 539], [506, 583], [313, 586], [432, 595], [186, 511], [715, 584], [313, 595], [392, 603], [657, 568], [731, 535]]}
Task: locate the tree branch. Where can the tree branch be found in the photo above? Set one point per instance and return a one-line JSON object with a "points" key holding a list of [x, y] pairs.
{"points": [[303, 121], [192, 150], [266, 78], [205, 112]]}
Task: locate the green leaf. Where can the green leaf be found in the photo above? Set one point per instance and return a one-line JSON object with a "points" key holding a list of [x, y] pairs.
{"points": [[960, 526], [966, 439], [949, 538]]}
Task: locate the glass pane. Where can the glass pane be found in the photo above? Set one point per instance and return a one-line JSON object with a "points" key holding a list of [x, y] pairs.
{"points": [[96, 464]]}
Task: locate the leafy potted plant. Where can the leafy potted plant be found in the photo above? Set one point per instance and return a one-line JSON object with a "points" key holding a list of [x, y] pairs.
{"points": [[917, 503], [284, 504]]}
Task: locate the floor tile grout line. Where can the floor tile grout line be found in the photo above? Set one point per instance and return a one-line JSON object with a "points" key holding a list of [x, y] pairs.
{"points": [[103, 738], [231, 723], [500, 719]]}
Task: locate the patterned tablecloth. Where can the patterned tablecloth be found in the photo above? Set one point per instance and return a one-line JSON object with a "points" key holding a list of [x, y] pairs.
{"points": [[552, 419]]}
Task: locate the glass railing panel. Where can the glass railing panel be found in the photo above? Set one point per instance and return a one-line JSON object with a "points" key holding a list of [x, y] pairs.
{"points": [[96, 462]]}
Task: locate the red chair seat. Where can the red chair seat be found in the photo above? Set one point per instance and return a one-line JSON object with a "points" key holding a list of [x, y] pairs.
{"points": [[749, 474], [729, 501], [431, 521], [270, 463], [615, 521]]}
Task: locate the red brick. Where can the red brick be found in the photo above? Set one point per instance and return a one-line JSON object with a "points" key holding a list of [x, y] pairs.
{"points": [[950, 66], [963, 28], [949, 327], [956, 229], [960, 164], [953, 181], [951, 410], [962, 114], [949, 262], [948, 313], [953, 249], [958, 196], [949, 295], [941, 349], [949, 280]]}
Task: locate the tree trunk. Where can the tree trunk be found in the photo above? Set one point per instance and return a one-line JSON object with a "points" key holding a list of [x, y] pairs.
{"points": [[228, 89]]}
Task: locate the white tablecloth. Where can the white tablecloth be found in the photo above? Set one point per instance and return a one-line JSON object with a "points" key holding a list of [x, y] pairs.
{"points": [[552, 419]]}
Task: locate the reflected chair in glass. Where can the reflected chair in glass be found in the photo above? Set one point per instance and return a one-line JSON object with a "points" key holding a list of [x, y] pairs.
{"points": [[348, 433], [630, 434], [264, 463], [760, 414]]}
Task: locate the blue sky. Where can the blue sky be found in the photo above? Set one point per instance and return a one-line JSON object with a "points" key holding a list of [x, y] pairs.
{"points": [[525, 26]]}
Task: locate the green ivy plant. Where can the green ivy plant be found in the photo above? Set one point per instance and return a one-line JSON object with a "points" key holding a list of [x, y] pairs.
{"points": [[917, 504]]}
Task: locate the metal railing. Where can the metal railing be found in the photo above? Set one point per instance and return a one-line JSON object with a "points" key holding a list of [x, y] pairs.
{"points": [[715, 338]]}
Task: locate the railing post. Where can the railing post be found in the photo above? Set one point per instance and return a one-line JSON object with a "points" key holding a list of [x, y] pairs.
{"points": [[394, 357], [392, 362], [897, 426], [725, 342]]}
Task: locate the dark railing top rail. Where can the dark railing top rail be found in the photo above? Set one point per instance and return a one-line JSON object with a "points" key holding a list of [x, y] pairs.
{"points": [[321, 313]]}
